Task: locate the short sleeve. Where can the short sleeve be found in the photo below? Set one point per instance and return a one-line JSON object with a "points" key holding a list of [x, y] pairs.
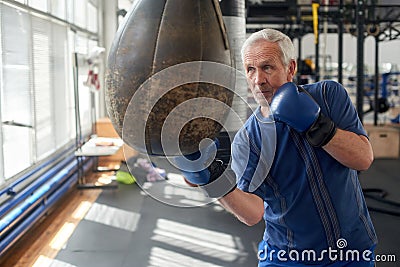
{"points": [[340, 109], [245, 159]]}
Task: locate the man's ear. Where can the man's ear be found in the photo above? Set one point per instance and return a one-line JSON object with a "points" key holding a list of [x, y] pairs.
{"points": [[292, 68]]}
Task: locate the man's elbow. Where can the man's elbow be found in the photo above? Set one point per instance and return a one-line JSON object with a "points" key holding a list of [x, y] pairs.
{"points": [[366, 162], [367, 156], [252, 220], [252, 223]]}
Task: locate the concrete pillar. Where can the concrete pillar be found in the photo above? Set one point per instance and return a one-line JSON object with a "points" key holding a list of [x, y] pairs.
{"points": [[233, 12], [108, 25]]}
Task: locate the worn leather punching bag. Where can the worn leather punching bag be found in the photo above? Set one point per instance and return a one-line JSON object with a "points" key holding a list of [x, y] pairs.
{"points": [[155, 66]]}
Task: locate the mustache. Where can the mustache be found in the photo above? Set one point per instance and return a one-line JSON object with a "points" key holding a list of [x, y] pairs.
{"points": [[263, 89]]}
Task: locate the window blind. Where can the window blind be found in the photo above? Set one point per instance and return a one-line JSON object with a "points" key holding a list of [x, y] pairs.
{"points": [[16, 104]]}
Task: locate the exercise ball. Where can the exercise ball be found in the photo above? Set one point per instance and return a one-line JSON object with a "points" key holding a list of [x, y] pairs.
{"points": [[157, 62]]}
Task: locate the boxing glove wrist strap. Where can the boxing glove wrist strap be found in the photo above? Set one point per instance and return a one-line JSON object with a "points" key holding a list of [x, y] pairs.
{"points": [[222, 181], [321, 131]]}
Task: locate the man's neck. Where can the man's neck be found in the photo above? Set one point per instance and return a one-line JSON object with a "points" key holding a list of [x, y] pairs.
{"points": [[265, 111]]}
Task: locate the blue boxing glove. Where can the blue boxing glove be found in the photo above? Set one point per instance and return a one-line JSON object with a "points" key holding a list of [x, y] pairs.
{"points": [[201, 168], [296, 107]]}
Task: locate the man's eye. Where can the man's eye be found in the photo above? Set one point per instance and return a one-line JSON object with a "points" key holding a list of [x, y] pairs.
{"points": [[250, 69], [267, 67]]}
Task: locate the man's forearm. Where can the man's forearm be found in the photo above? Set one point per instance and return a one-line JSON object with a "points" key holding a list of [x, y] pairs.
{"points": [[248, 208], [352, 150]]}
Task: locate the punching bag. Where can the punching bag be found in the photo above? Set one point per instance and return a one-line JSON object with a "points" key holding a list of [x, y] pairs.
{"points": [[156, 71]]}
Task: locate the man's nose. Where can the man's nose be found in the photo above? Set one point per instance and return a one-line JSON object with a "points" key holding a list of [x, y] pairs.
{"points": [[259, 77]]}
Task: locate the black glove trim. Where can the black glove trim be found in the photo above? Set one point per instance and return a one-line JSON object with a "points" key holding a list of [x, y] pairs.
{"points": [[216, 169], [222, 181], [321, 131]]}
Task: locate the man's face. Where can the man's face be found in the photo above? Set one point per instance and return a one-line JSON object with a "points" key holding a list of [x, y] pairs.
{"points": [[265, 70]]}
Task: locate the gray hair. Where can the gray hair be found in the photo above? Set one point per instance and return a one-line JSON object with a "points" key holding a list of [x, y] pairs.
{"points": [[273, 36]]}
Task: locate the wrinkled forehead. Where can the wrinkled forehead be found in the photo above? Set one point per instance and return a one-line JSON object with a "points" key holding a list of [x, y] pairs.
{"points": [[262, 51]]}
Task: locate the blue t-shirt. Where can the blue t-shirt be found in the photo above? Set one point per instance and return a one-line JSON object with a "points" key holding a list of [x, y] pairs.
{"points": [[311, 201]]}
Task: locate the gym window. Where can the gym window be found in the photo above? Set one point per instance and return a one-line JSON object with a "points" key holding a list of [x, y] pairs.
{"points": [[36, 78]]}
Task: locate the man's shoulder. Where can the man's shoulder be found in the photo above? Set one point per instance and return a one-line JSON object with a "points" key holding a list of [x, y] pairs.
{"points": [[246, 130], [249, 123], [326, 89], [322, 85]]}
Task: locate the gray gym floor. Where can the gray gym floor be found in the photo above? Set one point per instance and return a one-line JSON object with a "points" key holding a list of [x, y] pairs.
{"points": [[128, 228], [384, 174]]}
